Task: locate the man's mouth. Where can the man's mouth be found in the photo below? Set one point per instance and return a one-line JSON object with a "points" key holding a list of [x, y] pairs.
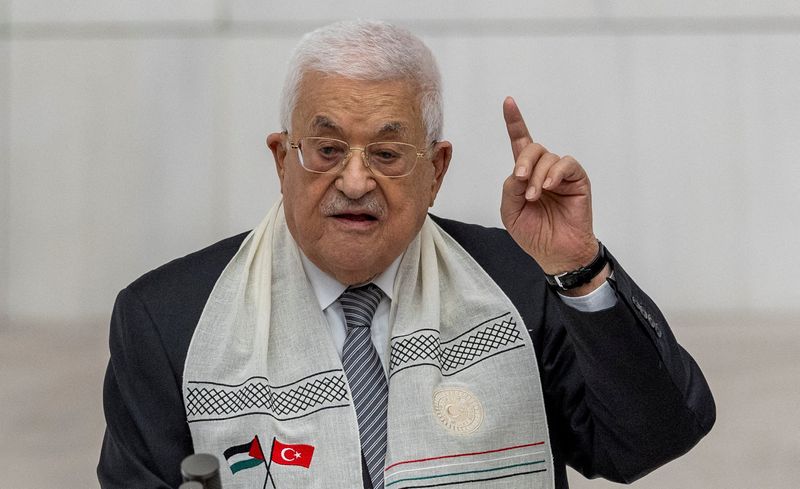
{"points": [[356, 217]]}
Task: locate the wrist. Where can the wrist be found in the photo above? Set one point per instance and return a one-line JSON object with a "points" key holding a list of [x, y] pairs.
{"points": [[584, 278], [576, 257], [591, 286]]}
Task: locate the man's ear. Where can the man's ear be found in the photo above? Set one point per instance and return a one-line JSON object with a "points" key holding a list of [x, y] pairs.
{"points": [[442, 152], [276, 143]]}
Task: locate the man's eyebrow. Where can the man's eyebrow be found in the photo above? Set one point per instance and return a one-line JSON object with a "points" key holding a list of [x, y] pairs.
{"points": [[323, 122], [394, 129]]}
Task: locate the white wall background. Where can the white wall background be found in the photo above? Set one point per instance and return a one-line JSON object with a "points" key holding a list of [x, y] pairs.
{"points": [[131, 132], [134, 133]]}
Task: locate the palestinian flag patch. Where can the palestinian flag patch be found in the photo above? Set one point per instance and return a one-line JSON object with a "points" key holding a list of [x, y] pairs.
{"points": [[244, 456]]}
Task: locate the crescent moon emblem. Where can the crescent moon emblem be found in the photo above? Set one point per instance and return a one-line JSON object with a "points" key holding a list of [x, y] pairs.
{"points": [[283, 454]]}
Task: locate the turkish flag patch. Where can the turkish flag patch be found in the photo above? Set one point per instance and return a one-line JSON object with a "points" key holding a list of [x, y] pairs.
{"points": [[288, 454]]}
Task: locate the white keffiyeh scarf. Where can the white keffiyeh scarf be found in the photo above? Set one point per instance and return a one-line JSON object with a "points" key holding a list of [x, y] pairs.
{"points": [[265, 391]]}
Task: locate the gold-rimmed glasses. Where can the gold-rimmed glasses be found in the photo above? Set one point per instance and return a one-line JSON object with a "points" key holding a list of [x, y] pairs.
{"points": [[390, 159]]}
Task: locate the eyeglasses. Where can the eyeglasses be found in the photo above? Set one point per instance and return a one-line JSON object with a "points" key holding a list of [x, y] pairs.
{"points": [[385, 158]]}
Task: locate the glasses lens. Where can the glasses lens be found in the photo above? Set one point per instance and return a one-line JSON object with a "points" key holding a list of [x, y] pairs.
{"points": [[391, 159], [322, 154]]}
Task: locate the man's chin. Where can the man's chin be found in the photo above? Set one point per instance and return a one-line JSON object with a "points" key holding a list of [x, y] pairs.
{"points": [[355, 276], [354, 263]]}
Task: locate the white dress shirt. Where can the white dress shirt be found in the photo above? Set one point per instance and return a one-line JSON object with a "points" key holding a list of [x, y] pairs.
{"points": [[327, 290]]}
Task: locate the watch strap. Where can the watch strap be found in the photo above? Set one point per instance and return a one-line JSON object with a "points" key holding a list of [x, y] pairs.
{"points": [[581, 276]]}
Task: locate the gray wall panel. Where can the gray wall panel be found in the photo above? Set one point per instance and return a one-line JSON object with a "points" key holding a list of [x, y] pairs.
{"points": [[128, 149], [5, 106], [5, 184], [81, 11], [112, 167]]}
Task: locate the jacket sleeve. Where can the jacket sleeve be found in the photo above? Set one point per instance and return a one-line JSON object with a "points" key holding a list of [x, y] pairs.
{"points": [[623, 396], [146, 435]]}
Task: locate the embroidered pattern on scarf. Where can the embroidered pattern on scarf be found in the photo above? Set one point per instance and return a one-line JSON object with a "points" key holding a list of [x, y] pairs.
{"points": [[465, 400]]}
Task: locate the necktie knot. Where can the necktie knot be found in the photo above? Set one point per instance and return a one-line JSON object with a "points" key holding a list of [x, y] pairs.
{"points": [[359, 305]]}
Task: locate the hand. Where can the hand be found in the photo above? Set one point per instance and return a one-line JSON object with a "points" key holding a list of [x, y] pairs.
{"points": [[547, 202]]}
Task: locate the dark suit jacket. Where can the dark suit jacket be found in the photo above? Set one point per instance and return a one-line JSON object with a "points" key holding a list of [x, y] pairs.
{"points": [[622, 397]]}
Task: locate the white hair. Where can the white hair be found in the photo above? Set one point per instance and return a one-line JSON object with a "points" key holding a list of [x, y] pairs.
{"points": [[367, 50]]}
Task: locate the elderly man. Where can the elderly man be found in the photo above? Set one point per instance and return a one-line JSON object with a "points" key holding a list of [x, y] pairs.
{"points": [[352, 340]]}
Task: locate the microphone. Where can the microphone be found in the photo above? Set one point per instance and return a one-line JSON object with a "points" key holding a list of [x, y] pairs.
{"points": [[191, 485], [202, 468]]}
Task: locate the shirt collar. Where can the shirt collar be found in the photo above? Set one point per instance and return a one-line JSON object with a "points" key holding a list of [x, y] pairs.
{"points": [[327, 289]]}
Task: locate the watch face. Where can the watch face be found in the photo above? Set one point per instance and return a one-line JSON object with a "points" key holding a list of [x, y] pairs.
{"points": [[569, 281]]}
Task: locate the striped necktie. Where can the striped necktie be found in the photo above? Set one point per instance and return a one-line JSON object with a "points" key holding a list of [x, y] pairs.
{"points": [[365, 376]]}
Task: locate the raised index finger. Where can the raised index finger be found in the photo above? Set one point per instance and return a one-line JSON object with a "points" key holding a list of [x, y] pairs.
{"points": [[515, 124]]}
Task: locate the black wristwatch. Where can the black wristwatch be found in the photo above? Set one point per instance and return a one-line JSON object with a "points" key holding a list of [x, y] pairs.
{"points": [[581, 276]]}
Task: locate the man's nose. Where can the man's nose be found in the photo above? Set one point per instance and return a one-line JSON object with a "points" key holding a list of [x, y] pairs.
{"points": [[355, 180]]}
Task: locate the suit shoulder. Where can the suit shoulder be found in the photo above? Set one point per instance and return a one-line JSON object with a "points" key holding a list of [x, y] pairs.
{"points": [[485, 244], [170, 299], [516, 272], [196, 271]]}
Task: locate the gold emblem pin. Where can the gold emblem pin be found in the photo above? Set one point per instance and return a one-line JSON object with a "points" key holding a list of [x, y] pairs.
{"points": [[458, 410]]}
